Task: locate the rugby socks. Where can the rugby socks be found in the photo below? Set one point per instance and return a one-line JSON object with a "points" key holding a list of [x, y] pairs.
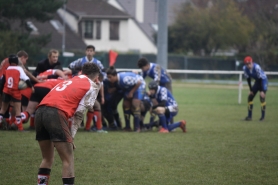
{"points": [[127, 113], [43, 176], [162, 121], [250, 108], [136, 115], [68, 181], [32, 121], [98, 120], [90, 116], [19, 123], [25, 116], [173, 126], [117, 119], [263, 106]]}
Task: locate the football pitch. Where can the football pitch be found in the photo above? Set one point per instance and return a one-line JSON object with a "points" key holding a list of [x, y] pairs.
{"points": [[219, 147]]}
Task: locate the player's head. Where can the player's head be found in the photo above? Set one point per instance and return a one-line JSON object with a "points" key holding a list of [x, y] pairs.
{"points": [[143, 64], [90, 51], [248, 61], [22, 56], [112, 74], [13, 60], [153, 86], [91, 70], [53, 55]]}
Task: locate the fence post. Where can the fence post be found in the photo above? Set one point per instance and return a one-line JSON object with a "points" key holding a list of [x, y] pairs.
{"points": [[239, 88]]}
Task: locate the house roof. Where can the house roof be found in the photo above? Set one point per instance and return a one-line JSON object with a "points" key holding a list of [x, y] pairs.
{"points": [[151, 13], [94, 8], [72, 40]]}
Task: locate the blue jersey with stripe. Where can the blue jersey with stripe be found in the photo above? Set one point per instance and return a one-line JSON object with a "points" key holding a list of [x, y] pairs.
{"points": [[77, 64], [163, 94], [127, 80], [256, 72], [157, 74]]}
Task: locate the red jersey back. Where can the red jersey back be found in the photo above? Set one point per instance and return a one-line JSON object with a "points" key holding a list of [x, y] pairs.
{"points": [[49, 83], [12, 75], [68, 94]]}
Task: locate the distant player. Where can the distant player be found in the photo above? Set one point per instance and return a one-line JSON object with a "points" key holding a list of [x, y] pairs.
{"points": [[166, 107], [11, 93], [67, 99], [156, 72], [253, 70], [133, 87]]}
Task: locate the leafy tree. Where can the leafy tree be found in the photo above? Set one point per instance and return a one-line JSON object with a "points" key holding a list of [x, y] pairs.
{"points": [[15, 34], [263, 45], [220, 25]]}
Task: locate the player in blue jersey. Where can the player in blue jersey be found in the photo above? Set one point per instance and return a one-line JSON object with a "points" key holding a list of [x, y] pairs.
{"points": [[76, 67], [133, 86], [253, 70], [165, 106], [156, 72]]}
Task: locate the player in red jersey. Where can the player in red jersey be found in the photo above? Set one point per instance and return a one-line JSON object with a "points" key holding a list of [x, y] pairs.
{"points": [[41, 90], [67, 99], [51, 72], [10, 81]]}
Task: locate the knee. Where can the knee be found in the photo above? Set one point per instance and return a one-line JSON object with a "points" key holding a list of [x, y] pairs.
{"points": [[250, 97], [262, 99]]}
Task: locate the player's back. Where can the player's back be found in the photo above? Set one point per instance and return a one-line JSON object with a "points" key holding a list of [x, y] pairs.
{"points": [[67, 94], [49, 83], [12, 76]]}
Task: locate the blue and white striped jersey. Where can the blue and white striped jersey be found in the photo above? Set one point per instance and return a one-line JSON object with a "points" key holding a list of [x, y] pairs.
{"points": [[127, 80], [163, 94], [157, 74], [256, 72], [77, 64]]}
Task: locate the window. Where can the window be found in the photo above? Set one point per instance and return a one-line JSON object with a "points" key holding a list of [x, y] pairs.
{"points": [[98, 30], [114, 30], [88, 29]]}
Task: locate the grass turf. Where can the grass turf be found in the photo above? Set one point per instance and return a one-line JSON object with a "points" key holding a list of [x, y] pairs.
{"points": [[219, 147]]}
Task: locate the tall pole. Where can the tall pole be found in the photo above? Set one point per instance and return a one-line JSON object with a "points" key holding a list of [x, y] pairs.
{"points": [[64, 29], [162, 35]]}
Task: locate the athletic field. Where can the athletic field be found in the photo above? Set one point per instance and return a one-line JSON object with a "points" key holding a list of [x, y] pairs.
{"points": [[218, 149]]}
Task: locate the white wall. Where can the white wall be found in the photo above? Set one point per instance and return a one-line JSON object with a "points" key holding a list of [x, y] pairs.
{"points": [[70, 20], [138, 40]]}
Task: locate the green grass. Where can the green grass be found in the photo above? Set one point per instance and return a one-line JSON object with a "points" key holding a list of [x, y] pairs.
{"points": [[219, 147]]}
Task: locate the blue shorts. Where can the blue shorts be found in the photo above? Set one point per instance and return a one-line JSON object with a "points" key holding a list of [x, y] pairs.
{"points": [[138, 94]]}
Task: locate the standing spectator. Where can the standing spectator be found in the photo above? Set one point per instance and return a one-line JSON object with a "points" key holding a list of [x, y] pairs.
{"points": [[165, 106], [155, 72], [50, 63], [253, 70], [67, 99], [10, 81]]}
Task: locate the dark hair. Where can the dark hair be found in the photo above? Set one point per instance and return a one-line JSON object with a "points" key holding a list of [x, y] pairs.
{"points": [[142, 62], [22, 53], [13, 59], [111, 71], [90, 69], [91, 47]]}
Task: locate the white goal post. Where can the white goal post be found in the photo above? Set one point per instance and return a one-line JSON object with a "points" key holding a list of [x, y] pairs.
{"points": [[177, 71]]}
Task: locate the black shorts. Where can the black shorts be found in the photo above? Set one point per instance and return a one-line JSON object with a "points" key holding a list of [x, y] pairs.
{"points": [[39, 94], [8, 98], [52, 124], [24, 100]]}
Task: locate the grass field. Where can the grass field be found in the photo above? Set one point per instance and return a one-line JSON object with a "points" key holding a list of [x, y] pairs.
{"points": [[219, 148]]}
